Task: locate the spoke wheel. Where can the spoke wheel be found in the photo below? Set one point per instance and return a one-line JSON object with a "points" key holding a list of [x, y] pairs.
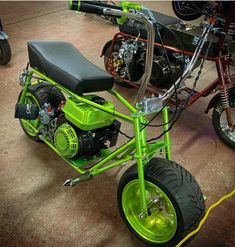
{"points": [[219, 120]]}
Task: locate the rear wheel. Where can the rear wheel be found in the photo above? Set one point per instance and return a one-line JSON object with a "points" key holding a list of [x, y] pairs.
{"points": [[175, 203], [5, 52], [39, 95]]}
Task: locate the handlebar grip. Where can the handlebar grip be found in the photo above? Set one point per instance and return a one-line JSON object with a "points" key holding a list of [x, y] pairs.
{"points": [[104, 5], [85, 7]]}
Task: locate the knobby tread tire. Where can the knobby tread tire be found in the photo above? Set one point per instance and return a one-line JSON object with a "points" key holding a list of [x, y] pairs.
{"points": [[181, 188]]}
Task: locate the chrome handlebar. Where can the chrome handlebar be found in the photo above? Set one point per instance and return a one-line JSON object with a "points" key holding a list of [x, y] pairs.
{"points": [[150, 45]]}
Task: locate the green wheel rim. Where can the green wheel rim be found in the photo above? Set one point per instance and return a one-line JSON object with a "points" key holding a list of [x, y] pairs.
{"points": [[161, 225], [30, 99]]}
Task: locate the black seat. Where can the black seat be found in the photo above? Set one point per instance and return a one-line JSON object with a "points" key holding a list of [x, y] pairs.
{"points": [[135, 27], [63, 63]]}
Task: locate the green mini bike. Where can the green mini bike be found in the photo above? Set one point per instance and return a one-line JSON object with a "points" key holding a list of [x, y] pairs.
{"points": [[159, 201]]}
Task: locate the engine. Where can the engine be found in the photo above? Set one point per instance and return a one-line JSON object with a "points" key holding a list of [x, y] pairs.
{"points": [[71, 142], [129, 63], [77, 129]]}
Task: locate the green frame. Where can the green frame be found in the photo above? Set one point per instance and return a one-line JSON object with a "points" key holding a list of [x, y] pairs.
{"points": [[136, 148]]}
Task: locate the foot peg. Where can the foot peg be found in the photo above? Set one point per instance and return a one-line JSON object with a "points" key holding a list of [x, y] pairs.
{"points": [[84, 177]]}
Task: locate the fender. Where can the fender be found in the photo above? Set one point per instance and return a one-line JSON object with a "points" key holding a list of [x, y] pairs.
{"points": [[216, 98], [107, 44]]}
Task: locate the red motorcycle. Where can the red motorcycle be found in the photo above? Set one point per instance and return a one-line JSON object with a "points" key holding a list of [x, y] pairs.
{"points": [[179, 49]]}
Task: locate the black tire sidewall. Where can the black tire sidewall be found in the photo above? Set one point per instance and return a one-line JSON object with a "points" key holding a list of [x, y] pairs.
{"points": [[34, 138], [5, 53], [189, 17], [179, 233], [216, 114]]}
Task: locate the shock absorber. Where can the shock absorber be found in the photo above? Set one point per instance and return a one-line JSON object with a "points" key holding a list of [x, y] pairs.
{"points": [[224, 97], [224, 93]]}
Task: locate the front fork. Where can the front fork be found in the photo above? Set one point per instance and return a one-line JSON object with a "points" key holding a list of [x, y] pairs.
{"points": [[141, 155]]}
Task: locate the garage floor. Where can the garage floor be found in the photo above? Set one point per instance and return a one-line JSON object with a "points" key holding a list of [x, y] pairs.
{"points": [[35, 209]]}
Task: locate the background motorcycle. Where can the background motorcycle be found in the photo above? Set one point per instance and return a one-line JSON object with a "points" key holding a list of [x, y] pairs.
{"points": [[5, 50], [175, 43]]}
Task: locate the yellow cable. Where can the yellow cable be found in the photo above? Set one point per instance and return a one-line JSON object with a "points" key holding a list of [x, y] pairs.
{"points": [[205, 217]]}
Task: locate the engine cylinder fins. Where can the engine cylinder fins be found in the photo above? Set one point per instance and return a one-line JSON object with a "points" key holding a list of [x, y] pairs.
{"points": [[66, 141]]}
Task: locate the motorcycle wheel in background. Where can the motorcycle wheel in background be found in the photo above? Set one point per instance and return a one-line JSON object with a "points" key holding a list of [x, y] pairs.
{"points": [[5, 52], [187, 10], [220, 123]]}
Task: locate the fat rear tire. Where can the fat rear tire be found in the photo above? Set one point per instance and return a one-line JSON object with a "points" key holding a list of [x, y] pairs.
{"points": [[181, 189]]}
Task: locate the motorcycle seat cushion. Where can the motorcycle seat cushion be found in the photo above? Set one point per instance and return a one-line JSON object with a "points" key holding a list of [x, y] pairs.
{"points": [[135, 27], [63, 63]]}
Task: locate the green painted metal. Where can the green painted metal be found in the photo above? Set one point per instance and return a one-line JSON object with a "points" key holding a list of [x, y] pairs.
{"points": [[130, 5], [126, 6], [114, 155], [112, 165], [84, 100], [158, 227], [26, 86], [83, 162], [74, 6], [81, 171], [85, 116], [66, 140], [70, 4], [123, 101], [139, 157], [151, 148], [165, 113], [143, 135]]}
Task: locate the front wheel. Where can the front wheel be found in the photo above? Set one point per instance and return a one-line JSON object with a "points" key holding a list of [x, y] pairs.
{"points": [[219, 120], [175, 203]]}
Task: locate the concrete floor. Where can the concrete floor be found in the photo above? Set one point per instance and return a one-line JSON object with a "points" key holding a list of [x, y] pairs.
{"points": [[35, 209]]}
